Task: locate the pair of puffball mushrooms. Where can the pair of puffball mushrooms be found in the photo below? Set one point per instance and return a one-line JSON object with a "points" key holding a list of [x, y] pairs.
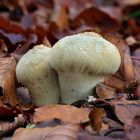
{"points": [[81, 61]]}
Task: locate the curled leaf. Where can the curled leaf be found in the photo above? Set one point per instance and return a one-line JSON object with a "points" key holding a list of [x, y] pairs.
{"points": [[7, 80], [96, 118], [66, 113], [63, 132]]}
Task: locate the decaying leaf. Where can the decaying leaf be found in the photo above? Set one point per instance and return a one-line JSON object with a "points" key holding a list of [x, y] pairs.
{"points": [[60, 16], [7, 80], [63, 132], [105, 92], [132, 132], [66, 113], [96, 118], [128, 66], [115, 82], [126, 111], [84, 17]]}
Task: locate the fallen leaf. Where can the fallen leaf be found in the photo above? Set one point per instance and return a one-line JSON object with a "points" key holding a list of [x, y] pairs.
{"points": [[115, 82], [128, 66], [3, 48], [136, 63], [113, 11], [60, 16], [7, 80], [132, 132], [126, 111], [128, 2], [96, 118], [105, 92], [82, 135], [67, 113], [97, 21], [135, 29], [137, 92], [63, 132]]}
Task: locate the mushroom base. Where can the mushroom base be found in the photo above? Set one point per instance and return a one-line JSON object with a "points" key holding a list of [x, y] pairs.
{"points": [[44, 89], [77, 86]]}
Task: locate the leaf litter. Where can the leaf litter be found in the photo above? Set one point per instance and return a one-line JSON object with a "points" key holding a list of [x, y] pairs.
{"points": [[114, 113]]}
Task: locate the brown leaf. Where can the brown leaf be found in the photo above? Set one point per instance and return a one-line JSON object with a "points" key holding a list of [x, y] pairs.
{"points": [[135, 29], [7, 80], [128, 2], [115, 82], [97, 21], [96, 118], [136, 63], [132, 132], [128, 66], [3, 48], [127, 110], [60, 16], [63, 132], [105, 92], [137, 92], [66, 113], [113, 11], [83, 135]]}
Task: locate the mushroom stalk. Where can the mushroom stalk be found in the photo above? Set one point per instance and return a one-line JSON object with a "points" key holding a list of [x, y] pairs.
{"points": [[77, 86]]}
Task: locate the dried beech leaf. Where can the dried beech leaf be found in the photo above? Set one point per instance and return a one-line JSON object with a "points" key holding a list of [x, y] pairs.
{"points": [[135, 29], [6, 127], [132, 132], [136, 63], [83, 135], [96, 118], [137, 92], [3, 48], [104, 91], [114, 82], [128, 2], [113, 11], [128, 66], [97, 21], [126, 111], [7, 80], [66, 113], [60, 16], [63, 132]]}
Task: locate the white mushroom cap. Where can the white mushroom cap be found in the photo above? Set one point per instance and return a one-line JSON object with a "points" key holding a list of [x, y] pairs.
{"points": [[85, 52], [34, 72], [86, 55]]}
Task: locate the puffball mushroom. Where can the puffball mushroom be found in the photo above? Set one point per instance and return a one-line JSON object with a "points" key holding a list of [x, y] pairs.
{"points": [[34, 71], [82, 60]]}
